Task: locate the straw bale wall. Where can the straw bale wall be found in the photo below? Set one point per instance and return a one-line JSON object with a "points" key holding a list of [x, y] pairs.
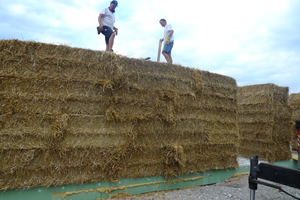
{"points": [[294, 102], [264, 119], [72, 115]]}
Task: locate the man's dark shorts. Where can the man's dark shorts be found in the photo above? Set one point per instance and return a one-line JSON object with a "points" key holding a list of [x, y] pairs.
{"points": [[107, 32]]}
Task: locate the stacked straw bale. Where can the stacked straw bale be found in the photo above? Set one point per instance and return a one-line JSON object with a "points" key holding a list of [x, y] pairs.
{"points": [[294, 102], [264, 119], [72, 115]]}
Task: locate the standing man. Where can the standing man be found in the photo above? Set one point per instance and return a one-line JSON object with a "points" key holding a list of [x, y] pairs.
{"points": [[169, 40], [106, 21]]}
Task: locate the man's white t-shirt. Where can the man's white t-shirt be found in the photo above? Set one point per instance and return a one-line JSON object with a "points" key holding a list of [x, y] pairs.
{"points": [[108, 19], [168, 28]]}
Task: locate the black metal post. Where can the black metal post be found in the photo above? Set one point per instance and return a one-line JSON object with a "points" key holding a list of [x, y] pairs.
{"points": [[253, 176]]}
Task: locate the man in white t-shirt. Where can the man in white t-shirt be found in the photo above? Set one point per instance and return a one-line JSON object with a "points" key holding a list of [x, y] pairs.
{"points": [[106, 26], [169, 40]]}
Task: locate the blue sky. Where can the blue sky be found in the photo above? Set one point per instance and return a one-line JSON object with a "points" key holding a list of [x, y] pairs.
{"points": [[255, 42]]}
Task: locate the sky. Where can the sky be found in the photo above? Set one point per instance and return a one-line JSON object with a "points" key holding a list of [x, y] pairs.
{"points": [[252, 41]]}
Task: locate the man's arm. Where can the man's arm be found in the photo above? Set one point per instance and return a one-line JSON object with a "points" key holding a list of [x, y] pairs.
{"points": [[171, 33], [168, 37], [100, 22], [116, 30]]}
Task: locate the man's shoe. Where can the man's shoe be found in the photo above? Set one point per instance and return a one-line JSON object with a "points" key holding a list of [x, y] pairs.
{"points": [[111, 50], [98, 30]]}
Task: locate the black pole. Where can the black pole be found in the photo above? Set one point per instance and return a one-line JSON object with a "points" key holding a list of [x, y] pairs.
{"points": [[253, 176]]}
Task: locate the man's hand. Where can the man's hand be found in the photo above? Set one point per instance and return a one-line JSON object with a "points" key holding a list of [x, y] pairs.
{"points": [[101, 28], [167, 40], [116, 30]]}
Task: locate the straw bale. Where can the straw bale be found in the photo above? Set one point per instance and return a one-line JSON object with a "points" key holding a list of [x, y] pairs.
{"points": [[49, 105], [294, 102], [264, 119], [49, 176], [71, 115], [175, 160], [26, 132], [85, 166], [256, 131], [296, 115], [262, 93]]}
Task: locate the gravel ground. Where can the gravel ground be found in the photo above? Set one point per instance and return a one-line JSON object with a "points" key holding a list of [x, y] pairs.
{"points": [[234, 188]]}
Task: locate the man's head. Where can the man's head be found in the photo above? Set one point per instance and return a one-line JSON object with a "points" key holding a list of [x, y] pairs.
{"points": [[113, 4], [163, 22]]}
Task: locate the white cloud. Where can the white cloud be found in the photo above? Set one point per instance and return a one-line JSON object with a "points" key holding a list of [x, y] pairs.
{"points": [[252, 41], [17, 9]]}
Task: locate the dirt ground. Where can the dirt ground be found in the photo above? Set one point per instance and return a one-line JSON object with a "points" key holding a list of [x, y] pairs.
{"points": [[235, 188]]}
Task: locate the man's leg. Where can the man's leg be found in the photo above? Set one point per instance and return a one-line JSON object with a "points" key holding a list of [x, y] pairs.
{"points": [[109, 37], [167, 52], [107, 43], [167, 57], [170, 58], [111, 40]]}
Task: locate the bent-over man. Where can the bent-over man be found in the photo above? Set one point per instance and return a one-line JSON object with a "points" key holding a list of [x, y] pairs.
{"points": [[106, 26]]}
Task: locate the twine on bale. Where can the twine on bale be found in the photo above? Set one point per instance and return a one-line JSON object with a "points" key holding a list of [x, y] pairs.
{"points": [[71, 115]]}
